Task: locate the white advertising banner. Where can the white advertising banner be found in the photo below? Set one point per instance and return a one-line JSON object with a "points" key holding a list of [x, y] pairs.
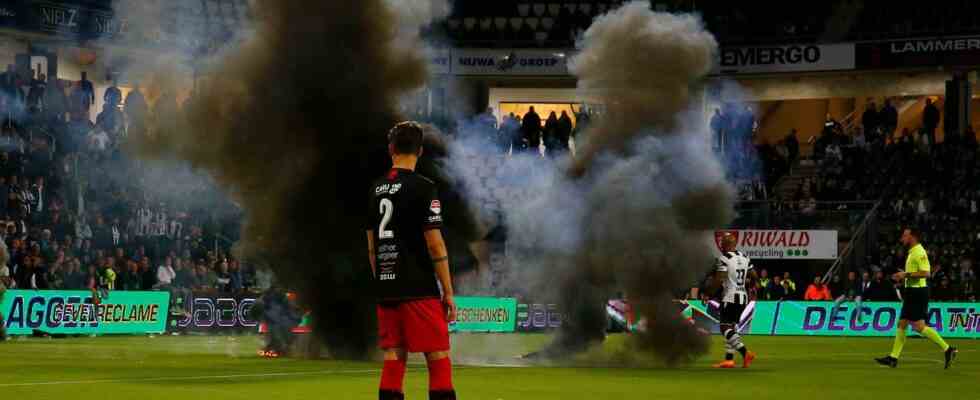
{"points": [[509, 62], [790, 58], [783, 244], [439, 61]]}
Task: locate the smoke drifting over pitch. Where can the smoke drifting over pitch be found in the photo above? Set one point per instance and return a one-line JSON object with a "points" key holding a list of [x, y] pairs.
{"points": [[293, 123], [632, 212]]}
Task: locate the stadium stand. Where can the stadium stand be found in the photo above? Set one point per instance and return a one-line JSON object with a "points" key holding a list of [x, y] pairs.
{"points": [[520, 23], [56, 186], [72, 203]]}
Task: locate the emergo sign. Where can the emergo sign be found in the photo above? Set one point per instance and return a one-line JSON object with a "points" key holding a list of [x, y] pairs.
{"points": [[783, 244], [74, 312], [789, 58]]}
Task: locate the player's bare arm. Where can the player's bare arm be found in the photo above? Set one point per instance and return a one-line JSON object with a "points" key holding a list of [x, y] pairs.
{"points": [[720, 278], [440, 259], [371, 257]]}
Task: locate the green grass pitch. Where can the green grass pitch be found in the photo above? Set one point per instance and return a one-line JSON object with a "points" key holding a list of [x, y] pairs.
{"points": [[226, 367]]}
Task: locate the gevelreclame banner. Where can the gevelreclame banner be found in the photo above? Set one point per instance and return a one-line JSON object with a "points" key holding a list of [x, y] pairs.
{"points": [[484, 314], [74, 312]]}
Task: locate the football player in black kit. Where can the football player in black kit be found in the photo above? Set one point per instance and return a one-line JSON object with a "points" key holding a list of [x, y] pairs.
{"points": [[411, 269]]}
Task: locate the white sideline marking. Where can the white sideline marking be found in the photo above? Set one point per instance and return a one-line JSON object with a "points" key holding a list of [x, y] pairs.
{"points": [[206, 377], [192, 378]]}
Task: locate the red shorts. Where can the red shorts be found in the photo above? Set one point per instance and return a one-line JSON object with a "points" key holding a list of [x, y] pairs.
{"points": [[418, 326]]}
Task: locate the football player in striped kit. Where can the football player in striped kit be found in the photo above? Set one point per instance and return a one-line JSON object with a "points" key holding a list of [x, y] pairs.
{"points": [[731, 271]]}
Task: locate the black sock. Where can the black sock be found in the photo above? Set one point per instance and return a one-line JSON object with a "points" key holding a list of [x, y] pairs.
{"points": [[729, 356], [390, 395], [743, 350], [442, 395]]}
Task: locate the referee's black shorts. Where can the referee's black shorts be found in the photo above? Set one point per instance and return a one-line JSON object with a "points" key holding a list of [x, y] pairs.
{"points": [[731, 313], [915, 304]]}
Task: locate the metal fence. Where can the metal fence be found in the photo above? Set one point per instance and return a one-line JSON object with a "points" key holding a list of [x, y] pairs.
{"points": [[856, 223]]}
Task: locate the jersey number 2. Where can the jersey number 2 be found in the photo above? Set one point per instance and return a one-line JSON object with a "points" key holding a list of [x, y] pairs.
{"points": [[387, 208]]}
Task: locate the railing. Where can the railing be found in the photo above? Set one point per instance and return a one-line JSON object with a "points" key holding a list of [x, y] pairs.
{"points": [[771, 214], [862, 230], [858, 237]]}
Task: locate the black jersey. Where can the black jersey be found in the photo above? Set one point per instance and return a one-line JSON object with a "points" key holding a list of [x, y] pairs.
{"points": [[403, 206]]}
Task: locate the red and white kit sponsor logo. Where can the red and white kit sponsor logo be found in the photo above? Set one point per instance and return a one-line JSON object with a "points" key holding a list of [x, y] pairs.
{"points": [[800, 244], [721, 234], [435, 206]]}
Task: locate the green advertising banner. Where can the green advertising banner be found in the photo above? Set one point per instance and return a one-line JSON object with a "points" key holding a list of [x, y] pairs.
{"points": [[955, 320], [484, 314], [73, 312]]}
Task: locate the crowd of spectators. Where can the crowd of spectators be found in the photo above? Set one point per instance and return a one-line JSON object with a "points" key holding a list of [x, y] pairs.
{"points": [[76, 212], [874, 286], [530, 134], [916, 180]]}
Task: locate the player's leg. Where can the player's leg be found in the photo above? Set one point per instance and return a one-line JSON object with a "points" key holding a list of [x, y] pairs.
{"points": [[900, 336], [393, 375], [927, 332], [440, 376], [891, 360], [427, 331], [734, 317], [918, 299], [735, 341], [729, 317], [729, 349], [395, 355]]}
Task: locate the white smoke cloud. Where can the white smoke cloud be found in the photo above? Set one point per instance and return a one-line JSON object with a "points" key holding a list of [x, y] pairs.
{"points": [[629, 214]]}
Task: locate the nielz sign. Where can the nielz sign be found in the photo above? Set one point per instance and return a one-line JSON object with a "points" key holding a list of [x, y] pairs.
{"points": [[74, 312]]}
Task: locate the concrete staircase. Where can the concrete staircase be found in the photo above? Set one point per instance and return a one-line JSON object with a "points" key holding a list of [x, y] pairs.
{"points": [[790, 183]]}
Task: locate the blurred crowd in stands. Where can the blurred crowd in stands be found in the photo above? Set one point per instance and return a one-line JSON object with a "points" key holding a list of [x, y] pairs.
{"points": [[77, 212], [915, 180], [523, 23]]}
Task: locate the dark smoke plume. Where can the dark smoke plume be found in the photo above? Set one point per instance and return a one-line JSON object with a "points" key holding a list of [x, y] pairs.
{"points": [[293, 123], [632, 212]]}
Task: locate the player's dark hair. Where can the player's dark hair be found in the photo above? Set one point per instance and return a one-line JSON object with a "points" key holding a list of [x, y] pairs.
{"points": [[914, 231], [406, 137]]}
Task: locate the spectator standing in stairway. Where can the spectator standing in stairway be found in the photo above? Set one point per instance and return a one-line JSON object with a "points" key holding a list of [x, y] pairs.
{"points": [[930, 120], [550, 136], [531, 131], [718, 124], [564, 133], [870, 118], [792, 146], [889, 119]]}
